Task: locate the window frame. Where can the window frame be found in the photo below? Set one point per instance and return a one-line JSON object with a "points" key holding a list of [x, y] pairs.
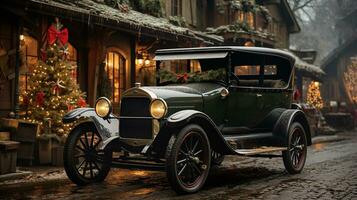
{"points": [[122, 73]]}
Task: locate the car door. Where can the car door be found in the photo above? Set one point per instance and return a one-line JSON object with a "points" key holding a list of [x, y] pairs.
{"points": [[243, 106], [245, 101]]}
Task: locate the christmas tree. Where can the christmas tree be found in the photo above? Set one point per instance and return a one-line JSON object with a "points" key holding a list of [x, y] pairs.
{"points": [[52, 88], [314, 95]]}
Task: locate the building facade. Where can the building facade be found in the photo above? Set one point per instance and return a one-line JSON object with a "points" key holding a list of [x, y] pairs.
{"points": [[122, 37], [340, 83]]}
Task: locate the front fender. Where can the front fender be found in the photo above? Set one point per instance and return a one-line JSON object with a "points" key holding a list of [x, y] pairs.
{"points": [[289, 116], [108, 129], [179, 119]]}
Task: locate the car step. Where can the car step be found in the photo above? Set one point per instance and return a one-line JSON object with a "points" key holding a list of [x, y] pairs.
{"points": [[249, 152]]}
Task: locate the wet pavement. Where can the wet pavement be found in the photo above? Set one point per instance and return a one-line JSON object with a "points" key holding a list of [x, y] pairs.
{"points": [[330, 173]]}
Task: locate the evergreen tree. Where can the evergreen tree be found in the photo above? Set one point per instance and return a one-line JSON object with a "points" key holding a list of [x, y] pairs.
{"points": [[314, 95], [52, 90]]}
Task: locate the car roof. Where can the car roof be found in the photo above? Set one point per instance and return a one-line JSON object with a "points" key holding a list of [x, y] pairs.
{"points": [[221, 51]]}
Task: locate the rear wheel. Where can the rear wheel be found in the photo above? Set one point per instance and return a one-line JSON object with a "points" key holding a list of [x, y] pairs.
{"points": [[83, 162], [188, 159], [294, 158]]}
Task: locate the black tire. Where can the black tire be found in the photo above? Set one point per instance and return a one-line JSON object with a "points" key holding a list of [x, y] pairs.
{"points": [[295, 157], [188, 159], [216, 158], [83, 162]]}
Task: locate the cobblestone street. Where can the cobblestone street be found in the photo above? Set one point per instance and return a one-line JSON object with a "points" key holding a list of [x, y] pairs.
{"points": [[330, 173]]}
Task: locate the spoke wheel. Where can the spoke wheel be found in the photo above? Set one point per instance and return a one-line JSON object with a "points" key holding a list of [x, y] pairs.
{"points": [[216, 158], [188, 159], [294, 158], [84, 163]]}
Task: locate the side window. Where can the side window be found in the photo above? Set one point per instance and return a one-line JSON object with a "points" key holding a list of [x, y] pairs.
{"points": [[271, 79], [270, 70], [248, 75], [245, 70]]}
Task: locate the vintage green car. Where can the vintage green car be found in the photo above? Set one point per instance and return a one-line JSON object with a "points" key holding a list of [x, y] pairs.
{"points": [[208, 102]]}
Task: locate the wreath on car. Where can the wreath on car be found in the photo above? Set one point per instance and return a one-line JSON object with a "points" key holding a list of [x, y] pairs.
{"points": [[189, 77]]}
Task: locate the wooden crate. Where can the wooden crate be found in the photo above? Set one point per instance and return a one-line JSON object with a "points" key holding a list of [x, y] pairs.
{"points": [[26, 135], [8, 156], [4, 136], [26, 132], [45, 150], [57, 156], [9, 122]]}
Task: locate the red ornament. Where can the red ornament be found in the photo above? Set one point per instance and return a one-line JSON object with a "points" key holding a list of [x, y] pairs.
{"points": [[40, 98], [54, 34], [81, 102], [182, 77], [70, 107]]}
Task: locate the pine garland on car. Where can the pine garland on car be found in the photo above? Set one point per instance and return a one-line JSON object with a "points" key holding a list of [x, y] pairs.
{"points": [[169, 76]]}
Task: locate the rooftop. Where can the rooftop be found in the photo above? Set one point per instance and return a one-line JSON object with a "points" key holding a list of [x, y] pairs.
{"points": [[96, 13]]}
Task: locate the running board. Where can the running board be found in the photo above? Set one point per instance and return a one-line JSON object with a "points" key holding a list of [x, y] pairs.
{"points": [[250, 152], [138, 165]]}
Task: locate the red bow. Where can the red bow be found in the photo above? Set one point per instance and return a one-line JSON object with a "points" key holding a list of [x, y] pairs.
{"points": [[54, 34], [183, 77], [56, 90], [81, 102]]}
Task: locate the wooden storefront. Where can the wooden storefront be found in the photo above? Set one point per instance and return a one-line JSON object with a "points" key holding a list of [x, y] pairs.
{"points": [[97, 34]]}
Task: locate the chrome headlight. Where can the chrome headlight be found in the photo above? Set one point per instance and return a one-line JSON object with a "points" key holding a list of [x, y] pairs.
{"points": [[103, 107], [158, 108]]}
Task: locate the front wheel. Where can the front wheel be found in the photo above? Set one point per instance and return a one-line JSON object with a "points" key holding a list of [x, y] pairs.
{"points": [[83, 162], [294, 158], [188, 159]]}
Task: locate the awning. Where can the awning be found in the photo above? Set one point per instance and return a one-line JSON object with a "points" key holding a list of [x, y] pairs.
{"points": [[191, 56]]}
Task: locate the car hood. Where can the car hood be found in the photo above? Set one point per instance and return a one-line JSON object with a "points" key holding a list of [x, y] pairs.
{"points": [[183, 96], [183, 90]]}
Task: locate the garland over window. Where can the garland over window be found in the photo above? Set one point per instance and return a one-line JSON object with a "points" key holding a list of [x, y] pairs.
{"points": [[243, 5], [171, 77]]}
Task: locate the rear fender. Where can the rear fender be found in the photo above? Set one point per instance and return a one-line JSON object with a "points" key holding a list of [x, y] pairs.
{"points": [[108, 129], [178, 120], [288, 117]]}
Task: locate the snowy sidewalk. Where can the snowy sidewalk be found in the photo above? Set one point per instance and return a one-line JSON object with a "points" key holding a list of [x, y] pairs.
{"points": [[33, 175], [45, 174]]}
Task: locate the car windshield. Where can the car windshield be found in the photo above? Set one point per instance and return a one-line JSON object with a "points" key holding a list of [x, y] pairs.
{"points": [[188, 71]]}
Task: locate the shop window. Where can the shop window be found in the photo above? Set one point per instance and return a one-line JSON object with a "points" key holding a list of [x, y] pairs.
{"points": [[115, 69], [72, 58], [176, 7], [181, 66], [247, 17], [29, 57]]}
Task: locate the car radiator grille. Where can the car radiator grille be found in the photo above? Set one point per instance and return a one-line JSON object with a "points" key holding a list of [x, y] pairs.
{"points": [[135, 118]]}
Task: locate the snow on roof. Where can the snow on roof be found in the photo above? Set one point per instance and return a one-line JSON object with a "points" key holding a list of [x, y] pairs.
{"points": [[310, 69], [132, 17]]}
